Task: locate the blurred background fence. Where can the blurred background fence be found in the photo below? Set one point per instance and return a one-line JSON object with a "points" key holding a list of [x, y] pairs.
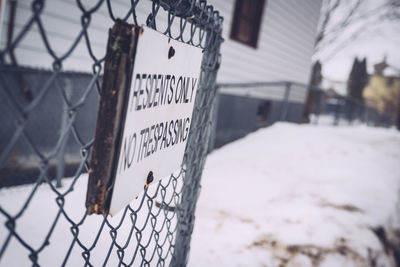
{"points": [[51, 60], [245, 107]]}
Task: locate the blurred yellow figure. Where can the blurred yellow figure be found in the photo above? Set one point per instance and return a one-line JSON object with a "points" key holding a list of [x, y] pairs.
{"points": [[383, 94]]}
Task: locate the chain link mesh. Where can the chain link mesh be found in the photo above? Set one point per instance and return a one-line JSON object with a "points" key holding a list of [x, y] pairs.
{"points": [[44, 223]]}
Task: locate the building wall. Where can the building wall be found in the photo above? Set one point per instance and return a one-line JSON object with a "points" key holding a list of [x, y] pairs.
{"points": [[61, 20], [45, 123], [283, 53], [239, 116], [285, 47], [383, 93], [284, 50]]}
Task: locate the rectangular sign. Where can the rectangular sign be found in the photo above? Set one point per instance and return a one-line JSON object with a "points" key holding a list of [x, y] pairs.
{"points": [[155, 119]]}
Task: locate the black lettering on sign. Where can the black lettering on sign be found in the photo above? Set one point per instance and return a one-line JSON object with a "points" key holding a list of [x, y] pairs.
{"points": [[149, 91], [152, 90], [178, 85], [164, 88], [156, 90], [154, 138], [185, 90], [136, 86], [127, 152], [150, 141], [141, 91], [186, 126], [171, 89]]}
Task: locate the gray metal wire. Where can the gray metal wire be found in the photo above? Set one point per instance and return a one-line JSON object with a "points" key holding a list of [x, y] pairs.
{"points": [[153, 231]]}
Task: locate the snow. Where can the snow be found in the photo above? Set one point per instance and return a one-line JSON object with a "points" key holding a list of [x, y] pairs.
{"points": [[42, 212], [298, 196], [286, 195]]}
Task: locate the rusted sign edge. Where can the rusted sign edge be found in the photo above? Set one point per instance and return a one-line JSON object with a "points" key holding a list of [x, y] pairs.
{"points": [[118, 66]]}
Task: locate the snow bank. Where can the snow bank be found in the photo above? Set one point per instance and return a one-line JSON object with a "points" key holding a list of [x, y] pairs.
{"points": [[43, 212], [292, 195], [286, 195]]}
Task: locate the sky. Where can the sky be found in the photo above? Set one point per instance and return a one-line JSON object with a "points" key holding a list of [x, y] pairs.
{"points": [[373, 36]]}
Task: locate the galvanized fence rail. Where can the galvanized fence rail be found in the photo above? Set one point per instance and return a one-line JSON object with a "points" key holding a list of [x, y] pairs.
{"points": [[320, 106], [44, 223]]}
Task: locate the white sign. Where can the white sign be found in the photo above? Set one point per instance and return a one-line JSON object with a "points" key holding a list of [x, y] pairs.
{"points": [[158, 116]]}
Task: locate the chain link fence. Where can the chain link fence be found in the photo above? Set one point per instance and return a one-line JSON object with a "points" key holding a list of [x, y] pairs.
{"points": [[328, 107], [245, 107], [297, 102], [51, 59]]}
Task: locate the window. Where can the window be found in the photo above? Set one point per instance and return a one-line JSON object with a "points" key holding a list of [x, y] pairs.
{"points": [[246, 21]]}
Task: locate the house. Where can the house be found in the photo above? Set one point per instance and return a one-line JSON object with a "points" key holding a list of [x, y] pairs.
{"points": [[268, 42], [383, 94], [265, 41]]}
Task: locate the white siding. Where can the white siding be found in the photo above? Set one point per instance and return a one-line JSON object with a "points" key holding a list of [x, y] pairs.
{"points": [[61, 20], [285, 44], [284, 51]]}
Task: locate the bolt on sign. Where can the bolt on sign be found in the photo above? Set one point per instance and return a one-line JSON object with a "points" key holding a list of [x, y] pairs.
{"points": [[147, 97]]}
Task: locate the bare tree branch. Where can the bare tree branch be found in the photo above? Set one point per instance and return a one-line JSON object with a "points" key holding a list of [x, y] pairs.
{"points": [[327, 17], [356, 19]]}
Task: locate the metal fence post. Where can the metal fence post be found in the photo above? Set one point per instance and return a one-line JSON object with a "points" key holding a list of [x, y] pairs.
{"points": [[285, 105], [337, 114], [317, 104], [214, 114], [64, 122], [195, 158]]}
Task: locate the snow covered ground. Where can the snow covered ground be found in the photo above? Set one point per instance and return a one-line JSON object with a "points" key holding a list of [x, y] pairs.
{"points": [[287, 195], [292, 195]]}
